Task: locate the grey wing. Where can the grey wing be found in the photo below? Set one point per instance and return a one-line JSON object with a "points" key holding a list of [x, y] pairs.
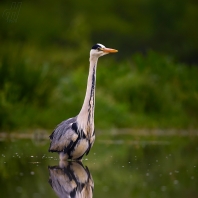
{"points": [[63, 136]]}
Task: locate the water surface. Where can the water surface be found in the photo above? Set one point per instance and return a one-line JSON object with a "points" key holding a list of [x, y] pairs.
{"points": [[118, 166]]}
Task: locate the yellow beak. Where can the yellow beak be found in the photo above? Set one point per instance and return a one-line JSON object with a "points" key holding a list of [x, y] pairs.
{"points": [[109, 50]]}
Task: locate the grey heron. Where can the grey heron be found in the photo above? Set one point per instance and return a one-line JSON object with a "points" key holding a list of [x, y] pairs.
{"points": [[74, 137]]}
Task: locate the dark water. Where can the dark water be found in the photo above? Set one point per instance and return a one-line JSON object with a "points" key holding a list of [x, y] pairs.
{"points": [[117, 166]]}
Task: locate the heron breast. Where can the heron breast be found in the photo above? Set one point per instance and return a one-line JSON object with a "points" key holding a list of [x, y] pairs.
{"points": [[80, 148]]}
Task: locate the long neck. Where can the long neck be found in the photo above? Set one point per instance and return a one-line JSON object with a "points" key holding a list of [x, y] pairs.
{"points": [[86, 116]]}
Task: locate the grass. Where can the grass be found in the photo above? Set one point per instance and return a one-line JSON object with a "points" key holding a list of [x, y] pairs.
{"points": [[39, 89]]}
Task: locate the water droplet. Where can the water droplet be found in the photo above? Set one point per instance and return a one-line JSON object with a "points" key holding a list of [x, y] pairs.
{"points": [[19, 189], [35, 195], [170, 173], [152, 194], [147, 174], [175, 182], [192, 177], [32, 173], [31, 156], [105, 188], [163, 188]]}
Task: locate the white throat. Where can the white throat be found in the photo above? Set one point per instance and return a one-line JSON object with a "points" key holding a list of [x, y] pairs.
{"points": [[85, 118]]}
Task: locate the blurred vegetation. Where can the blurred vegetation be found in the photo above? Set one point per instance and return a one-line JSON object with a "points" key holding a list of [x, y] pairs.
{"points": [[152, 81]]}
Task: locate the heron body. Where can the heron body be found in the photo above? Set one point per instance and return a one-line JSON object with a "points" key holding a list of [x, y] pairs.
{"points": [[73, 138]]}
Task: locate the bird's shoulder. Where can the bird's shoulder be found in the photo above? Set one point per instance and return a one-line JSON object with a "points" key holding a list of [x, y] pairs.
{"points": [[63, 135], [66, 126]]}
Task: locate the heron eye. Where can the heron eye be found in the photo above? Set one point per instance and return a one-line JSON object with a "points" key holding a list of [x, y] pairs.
{"points": [[99, 49]]}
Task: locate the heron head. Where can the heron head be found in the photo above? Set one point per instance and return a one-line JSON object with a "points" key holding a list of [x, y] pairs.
{"points": [[100, 50]]}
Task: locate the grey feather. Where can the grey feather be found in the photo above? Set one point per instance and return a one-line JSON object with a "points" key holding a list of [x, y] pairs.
{"points": [[63, 136]]}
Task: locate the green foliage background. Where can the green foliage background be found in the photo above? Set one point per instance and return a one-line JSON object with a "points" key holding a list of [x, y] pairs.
{"points": [[151, 83]]}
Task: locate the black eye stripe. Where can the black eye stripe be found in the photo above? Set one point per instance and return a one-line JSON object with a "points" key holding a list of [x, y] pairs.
{"points": [[96, 47]]}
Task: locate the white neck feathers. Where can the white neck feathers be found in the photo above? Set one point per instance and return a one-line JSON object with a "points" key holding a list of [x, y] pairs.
{"points": [[85, 118]]}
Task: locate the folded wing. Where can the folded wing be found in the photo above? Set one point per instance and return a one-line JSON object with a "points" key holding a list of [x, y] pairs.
{"points": [[63, 136]]}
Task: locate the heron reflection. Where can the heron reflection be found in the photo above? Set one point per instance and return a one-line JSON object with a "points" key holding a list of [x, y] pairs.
{"points": [[71, 179]]}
